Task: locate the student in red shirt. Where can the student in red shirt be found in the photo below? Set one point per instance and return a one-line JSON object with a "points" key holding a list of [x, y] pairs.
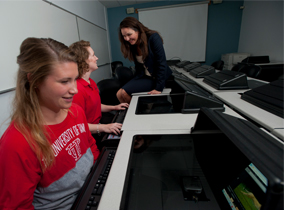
{"points": [[88, 96], [47, 151]]}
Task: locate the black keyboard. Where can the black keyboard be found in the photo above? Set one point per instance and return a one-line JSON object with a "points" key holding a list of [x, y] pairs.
{"points": [[120, 115], [91, 192]]}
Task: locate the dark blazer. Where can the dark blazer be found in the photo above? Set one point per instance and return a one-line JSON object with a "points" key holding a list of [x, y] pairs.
{"points": [[156, 62]]}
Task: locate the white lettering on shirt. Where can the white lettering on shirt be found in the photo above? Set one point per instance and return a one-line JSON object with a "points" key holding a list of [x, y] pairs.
{"points": [[65, 138], [74, 149]]}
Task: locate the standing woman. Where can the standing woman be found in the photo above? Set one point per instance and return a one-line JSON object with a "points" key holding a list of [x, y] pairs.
{"points": [[145, 47], [88, 96], [47, 151]]}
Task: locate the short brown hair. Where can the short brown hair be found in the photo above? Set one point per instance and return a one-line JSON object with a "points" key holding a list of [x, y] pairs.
{"points": [[82, 54]]}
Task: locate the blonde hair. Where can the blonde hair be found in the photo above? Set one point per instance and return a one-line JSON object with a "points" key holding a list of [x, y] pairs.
{"points": [[36, 60]]}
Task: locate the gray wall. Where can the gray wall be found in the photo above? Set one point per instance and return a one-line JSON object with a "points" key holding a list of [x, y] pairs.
{"points": [[262, 29], [88, 20]]}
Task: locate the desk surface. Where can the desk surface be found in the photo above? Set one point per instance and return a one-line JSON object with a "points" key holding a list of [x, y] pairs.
{"points": [[211, 89], [260, 116], [114, 187], [279, 132], [173, 124], [233, 99], [154, 122]]}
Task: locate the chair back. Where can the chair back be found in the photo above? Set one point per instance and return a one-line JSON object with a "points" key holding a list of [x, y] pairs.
{"points": [[238, 66], [108, 89], [218, 65], [251, 70], [123, 74], [114, 65]]}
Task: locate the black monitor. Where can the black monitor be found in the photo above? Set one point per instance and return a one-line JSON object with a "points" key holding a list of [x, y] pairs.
{"points": [[247, 162], [202, 71], [173, 62], [268, 97], [182, 63], [227, 80], [191, 66], [257, 59], [222, 158], [190, 101]]}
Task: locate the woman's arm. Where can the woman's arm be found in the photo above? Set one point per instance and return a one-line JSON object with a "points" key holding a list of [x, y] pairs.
{"points": [[106, 128], [160, 62], [20, 173], [108, 108]]}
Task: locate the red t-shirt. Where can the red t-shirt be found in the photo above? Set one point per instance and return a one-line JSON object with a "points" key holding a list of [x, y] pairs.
{"points": [[88, 97], [23, 185]]}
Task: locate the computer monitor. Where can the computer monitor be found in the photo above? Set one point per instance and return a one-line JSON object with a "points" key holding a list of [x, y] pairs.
{"points": [[227, 80], [187, 102], [163, 173], [269, 97], [242, 163], [182, 63], [223, 159]]}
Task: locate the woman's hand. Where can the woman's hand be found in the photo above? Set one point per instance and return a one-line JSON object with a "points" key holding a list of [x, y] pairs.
{"points": [[121, 106], [111, 128], [153, 92]]}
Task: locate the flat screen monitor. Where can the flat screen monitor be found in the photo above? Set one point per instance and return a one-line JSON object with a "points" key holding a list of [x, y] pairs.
{"points": [[269, 97], [163, 173], [187, 102], [224, 163]]}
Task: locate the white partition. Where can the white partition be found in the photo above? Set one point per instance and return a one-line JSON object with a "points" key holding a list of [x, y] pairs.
{"points": [[90, 10], [98, 39], [59, 20], [5, 110], [22, 19]]}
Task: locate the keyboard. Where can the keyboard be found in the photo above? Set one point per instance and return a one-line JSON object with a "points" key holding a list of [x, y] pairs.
{"points": [[91, 192], [120, 115]]}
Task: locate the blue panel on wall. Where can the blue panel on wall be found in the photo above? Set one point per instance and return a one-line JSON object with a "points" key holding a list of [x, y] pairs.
{"points": [[224, 23]]}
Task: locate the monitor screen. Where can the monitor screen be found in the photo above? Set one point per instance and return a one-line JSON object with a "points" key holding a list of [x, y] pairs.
{"points": [[160, 104], [248, 190], [163, 173]]}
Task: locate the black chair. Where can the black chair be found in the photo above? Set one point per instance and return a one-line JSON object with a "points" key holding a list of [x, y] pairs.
{"points": [[123, 74], [114, 65], [251, 70], [108, 89], [238, 66], [218, 65]]}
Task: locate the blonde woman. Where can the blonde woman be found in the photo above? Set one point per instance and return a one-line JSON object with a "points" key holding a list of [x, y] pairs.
{"points": [[47, 151]]}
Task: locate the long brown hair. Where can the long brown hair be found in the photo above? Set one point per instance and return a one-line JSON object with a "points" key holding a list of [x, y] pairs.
{"points": [[82, 54], [142, 43], [36, 60]]}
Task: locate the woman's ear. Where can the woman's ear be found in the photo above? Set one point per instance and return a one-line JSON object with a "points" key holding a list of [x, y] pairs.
{"points": [[29, 77]]}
